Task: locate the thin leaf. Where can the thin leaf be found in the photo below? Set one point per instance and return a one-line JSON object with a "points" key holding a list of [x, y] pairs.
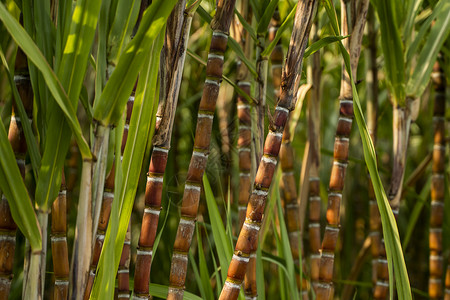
{"points": [[246, 26], [223, 245], [161, 291], [317, 45], [32, 146], [266, 17], [14, 189]]}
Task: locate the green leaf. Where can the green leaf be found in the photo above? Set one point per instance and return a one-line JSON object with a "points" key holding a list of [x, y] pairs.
{"points": [[394, 252], [246, 26], [109, 108], [14, 190], [224, 246], [438, 34], [32, 146], [317, 45], [285, 25], [204, 275], [266, 17], [141, 120], [34, 54], [392, 47]]}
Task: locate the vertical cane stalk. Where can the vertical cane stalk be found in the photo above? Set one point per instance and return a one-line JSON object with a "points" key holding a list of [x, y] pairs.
{"points": [[214, 69], [60, 254], [171, 70], [248, 237], [314, 199], [350, 24], [436, 265]]}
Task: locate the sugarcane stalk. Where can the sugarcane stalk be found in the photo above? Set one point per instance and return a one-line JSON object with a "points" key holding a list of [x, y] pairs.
{"points": [[123, 273], [81, 257], [214, 69], [60, 254], [171, 70], [248, 237], [447, 282], [16, 138], [436, 265], [314, 75], [325, 287]]}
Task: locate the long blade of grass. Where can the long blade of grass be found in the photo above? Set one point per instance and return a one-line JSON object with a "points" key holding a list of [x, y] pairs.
{"points": [[141, 120], [161, 291], [208, 292], [266, 17], [109, 108], [438, 34], [396, 261], [224, 246], [35, 55], [14, 189]]}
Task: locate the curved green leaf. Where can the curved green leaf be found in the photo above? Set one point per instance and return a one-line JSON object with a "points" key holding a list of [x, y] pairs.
{"points": [[14, 190]]}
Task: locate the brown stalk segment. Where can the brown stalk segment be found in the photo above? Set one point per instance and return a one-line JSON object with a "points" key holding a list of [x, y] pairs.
{"points": [[291, 207], [314, 199], [123, 273], [60, 253], [248, 237], [341, 147], [171, 70], [214, 68], [437, 185], [16, 138]]}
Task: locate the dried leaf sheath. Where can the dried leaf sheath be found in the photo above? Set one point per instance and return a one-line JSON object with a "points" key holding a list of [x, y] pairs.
{"points": [[16, 138], [437, 186], [60, 252], [340, 154], [171, 70], [214, 68], [248, 238]]}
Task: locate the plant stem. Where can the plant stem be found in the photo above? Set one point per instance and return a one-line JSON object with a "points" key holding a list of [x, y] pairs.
{"points": [[191, 197], [325, 289], [82, 247], [248, 237], [437, 185], [314, 199], [60, 254], [100, 150]]}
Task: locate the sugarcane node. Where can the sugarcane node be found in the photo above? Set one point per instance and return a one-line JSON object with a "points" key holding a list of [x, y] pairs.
{"points": [[346, 107], [148, 230], [218, 42], [245, 137], [381, 291], [437, 188], [247, 239], [237, 270]]}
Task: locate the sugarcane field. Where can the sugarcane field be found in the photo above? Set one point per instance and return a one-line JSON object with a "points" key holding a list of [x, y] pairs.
{"points": [[224, 149]]}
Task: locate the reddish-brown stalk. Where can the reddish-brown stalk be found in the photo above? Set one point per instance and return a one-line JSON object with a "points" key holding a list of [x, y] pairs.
{"points": [[437, 185], [325, 288], [189, 207], [60, 253], [16, 138], [171, 71], [447, 282], [248, 237], [314, 153]]}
